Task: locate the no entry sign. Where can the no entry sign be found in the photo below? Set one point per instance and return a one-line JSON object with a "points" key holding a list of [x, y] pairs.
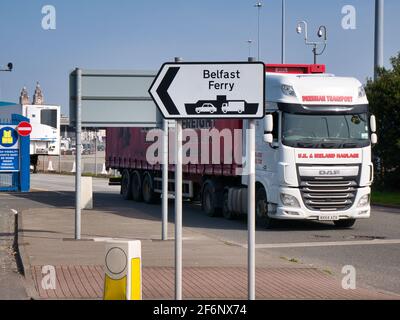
{"points": [[24, 129]]}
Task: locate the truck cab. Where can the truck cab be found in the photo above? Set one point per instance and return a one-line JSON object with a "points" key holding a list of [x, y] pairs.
{"points": [[313, 149]]}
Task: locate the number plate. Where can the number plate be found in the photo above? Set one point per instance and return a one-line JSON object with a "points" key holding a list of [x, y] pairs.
{"points": [[330, 217]]}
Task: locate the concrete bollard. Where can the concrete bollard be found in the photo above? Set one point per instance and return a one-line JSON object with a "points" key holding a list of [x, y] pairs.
{"points": [[87, 192], [73, 168], [123, 270], [50, 166], [104, 171]]}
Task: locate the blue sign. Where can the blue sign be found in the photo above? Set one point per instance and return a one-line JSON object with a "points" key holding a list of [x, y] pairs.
{"points": [[9, 160], [9, 149]]}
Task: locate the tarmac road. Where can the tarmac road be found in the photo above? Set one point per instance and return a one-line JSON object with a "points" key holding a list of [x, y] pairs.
{"points": [[372, 246]]}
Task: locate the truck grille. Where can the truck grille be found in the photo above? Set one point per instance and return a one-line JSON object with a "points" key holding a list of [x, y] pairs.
{"points": [[328, 194]]}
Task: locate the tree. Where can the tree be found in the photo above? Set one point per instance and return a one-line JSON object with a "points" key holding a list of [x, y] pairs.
{"points": [[384, 98]]}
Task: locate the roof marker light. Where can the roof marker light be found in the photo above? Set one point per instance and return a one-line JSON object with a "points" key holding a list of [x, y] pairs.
{"points": [[288, 90]]}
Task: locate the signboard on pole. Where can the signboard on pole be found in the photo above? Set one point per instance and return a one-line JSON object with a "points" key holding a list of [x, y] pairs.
{"points": [[218, 91], [210, 90], [114, 99], [9, 149]]}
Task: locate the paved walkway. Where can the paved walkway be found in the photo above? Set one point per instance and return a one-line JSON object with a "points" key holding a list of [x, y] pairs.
{"points": [[11, 282], [86, 282], [213, 269]]}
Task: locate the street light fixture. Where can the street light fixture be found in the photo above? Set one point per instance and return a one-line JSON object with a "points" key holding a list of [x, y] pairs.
{"points": [[321, 33], [258, 5], [249, 42], [9, 68]]}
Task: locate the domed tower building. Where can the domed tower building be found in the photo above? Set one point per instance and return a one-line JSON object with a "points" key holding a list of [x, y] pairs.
{"points": [[38, 98], [24, 97]]}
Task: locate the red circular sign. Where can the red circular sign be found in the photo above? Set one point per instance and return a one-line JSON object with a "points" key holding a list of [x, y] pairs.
{"points": [[24, 129]]}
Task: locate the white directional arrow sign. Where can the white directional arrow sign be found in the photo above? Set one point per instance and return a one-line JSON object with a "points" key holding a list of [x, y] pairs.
{"points": [[210, 90]]}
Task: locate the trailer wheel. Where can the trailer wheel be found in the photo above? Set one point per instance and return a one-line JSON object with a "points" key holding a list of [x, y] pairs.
{"points": [[209, 199], [136, 186], [228, 214], [262, 218], [126, 188], [149, 196]]}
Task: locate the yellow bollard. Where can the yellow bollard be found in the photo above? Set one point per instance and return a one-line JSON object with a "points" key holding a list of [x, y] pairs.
{"points": [[123, 270]]}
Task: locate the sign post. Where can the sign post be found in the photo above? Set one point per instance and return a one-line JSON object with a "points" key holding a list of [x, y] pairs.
{"points": [[233, 90], [78, 155]]}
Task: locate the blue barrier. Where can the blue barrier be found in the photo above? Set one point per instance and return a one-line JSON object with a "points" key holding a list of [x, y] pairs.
{"points": [[14, 157]]}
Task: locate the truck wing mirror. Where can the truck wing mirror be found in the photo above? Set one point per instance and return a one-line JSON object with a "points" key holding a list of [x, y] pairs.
{"points": [[268, 138], [268, 123], [372, 124], [374, 138]]}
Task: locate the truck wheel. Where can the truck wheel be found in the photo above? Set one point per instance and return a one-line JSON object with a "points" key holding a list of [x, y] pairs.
{"points": [[126, 188], [348, 223], [225, 208], [136, 186], [209, 199], [149, 196], [262, 218]]}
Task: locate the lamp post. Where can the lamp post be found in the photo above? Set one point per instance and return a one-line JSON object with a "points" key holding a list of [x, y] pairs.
{"points": [[283, 44], [249, 42], [321, 33], [379, 27], [258, 5]]}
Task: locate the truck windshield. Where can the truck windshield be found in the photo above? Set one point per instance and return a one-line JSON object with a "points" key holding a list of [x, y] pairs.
{"points": [[325, 131]]}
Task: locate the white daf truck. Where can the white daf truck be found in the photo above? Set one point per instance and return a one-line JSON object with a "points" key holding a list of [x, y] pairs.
{"points": [[314, 160]]}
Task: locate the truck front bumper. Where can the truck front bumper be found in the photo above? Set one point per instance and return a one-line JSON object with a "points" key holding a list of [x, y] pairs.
{"points": [[301, 212]]}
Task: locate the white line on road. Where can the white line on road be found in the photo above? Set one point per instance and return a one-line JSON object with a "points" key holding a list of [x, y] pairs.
{"points": [[321, 244]]}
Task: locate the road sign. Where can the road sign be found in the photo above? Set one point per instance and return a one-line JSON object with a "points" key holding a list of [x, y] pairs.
{"points": [[24, 129], [9, 149], [210, 90]]}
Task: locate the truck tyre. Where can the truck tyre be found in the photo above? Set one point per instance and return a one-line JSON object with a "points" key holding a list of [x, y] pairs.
{"points": [[348, 223], [126, 188], [136, 183], [228, 214], [149, 196], [262, 218], [209, 199]]}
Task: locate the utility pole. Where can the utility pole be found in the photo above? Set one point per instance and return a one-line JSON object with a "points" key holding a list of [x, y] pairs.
{"points": [[379, 29]]}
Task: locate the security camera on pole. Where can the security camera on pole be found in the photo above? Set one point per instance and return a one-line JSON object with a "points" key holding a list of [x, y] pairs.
{"points": [[321, 33]]}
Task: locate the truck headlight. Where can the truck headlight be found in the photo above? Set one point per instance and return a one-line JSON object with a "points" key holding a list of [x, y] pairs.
{"points": [[289, 200], [364, 201], [288, 90]]}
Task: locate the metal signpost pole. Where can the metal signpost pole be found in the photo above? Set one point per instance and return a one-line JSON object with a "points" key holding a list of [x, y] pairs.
{"points": [[178, 207], [251, 208], [78, 155], [251, 215], [95, 152], [165, 181]]}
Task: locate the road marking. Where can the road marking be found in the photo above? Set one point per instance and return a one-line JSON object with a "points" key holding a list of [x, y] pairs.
{"points": [[320, 244]]}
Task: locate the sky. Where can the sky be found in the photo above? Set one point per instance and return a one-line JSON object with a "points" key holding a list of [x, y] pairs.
{"points": [[141, 35]]}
